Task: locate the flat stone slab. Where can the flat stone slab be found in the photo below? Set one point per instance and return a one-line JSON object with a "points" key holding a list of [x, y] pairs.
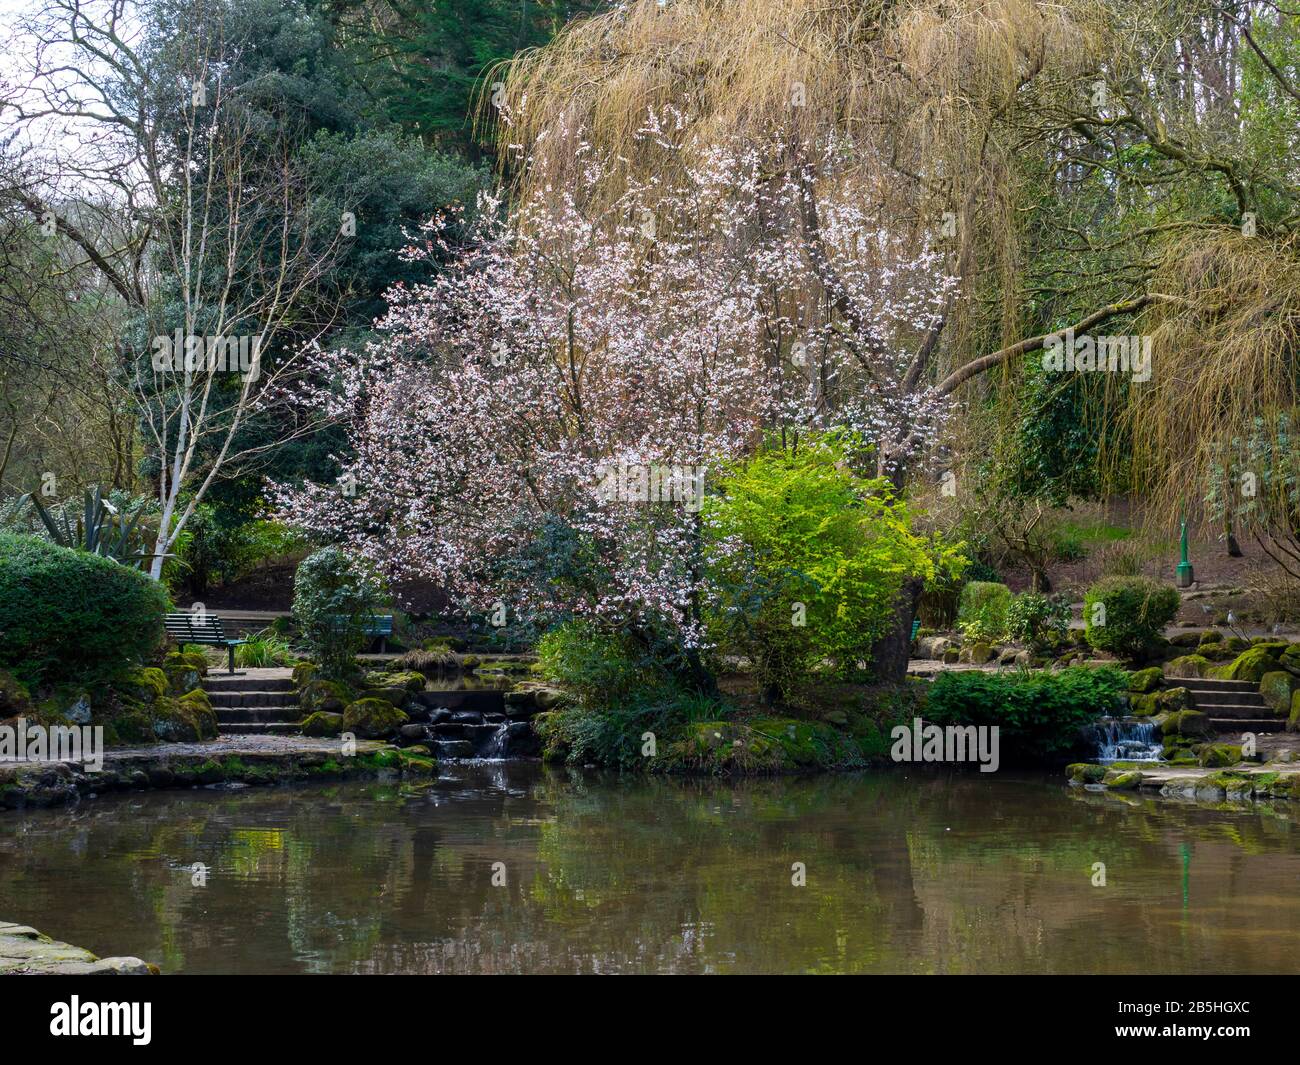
{"points": [[25, 951], [1160, 775], [1242, 782]]}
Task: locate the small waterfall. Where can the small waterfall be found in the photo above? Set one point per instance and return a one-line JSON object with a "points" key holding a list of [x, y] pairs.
{"points": [[1126, 739], [496, 746]]}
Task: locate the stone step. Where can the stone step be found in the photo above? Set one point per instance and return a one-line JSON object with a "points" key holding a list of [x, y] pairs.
{"points": [[273, 728], [1248, 724], [1252, 710], [213, 683], [249, 698], [1226, 698], [240, 714], [1210, 684]]}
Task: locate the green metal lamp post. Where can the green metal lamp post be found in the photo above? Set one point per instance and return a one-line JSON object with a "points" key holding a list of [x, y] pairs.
{"points": [[1184, 571]]}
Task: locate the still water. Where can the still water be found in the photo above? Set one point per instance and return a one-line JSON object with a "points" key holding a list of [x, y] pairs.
{"points": [[906, 873]]}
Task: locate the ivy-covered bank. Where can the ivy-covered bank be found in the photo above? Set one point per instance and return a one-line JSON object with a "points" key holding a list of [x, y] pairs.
{"points": [[254, 761]]}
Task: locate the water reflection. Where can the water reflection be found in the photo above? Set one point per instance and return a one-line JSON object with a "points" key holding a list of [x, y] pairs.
{"points": [[908, 873]]}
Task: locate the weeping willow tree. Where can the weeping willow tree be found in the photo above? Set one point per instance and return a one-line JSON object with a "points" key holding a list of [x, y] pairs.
{"points": [[1211, 96], [1218, 425], [918, 103]]}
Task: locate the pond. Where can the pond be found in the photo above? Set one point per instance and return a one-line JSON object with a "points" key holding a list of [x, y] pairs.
{"points": [[905, 873]]}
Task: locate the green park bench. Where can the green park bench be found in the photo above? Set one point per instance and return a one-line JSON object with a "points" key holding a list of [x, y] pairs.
{"points": [[201, 628], [379, 626]]}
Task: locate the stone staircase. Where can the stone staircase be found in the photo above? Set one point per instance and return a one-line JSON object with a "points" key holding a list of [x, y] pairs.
{"points": [[1231, 705], [254, 703]]}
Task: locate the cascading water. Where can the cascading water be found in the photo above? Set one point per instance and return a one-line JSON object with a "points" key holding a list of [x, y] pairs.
{"points": [[496, 746], [1126, 739]]}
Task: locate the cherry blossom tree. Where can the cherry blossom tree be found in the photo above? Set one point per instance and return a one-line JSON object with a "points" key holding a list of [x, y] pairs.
{"points": [[536, 425]]}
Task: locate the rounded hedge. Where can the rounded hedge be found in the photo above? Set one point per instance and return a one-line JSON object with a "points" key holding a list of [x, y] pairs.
{"points": [[1127, 615], [72, 616]]}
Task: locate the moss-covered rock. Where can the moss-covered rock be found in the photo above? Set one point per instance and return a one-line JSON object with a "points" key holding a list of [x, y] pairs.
{"points": [[397, 696], [185, 671], [1144, 705], [327, 695], [322, 723], [302, 673], [976, 653], [373, 718], [170, 720], [1293, 721], [1250, 665], [1188, 666], [1234, 644], [409, 680], [146, 684], [416, 762], [1085, 773], [1277, 689], [198, 707], [1290, 659], [1186, 723], [1122, 779], [1218, 755], [1174, 699], [1145, 681]]}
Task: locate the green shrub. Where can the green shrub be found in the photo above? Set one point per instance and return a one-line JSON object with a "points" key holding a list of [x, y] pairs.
{"points": [[1127, 615], [1039, 714], [1039, 621], [619, 692], [982, 610], [805, 561], [592, 664], [71, 615], [334, 599], [263, 649]]}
